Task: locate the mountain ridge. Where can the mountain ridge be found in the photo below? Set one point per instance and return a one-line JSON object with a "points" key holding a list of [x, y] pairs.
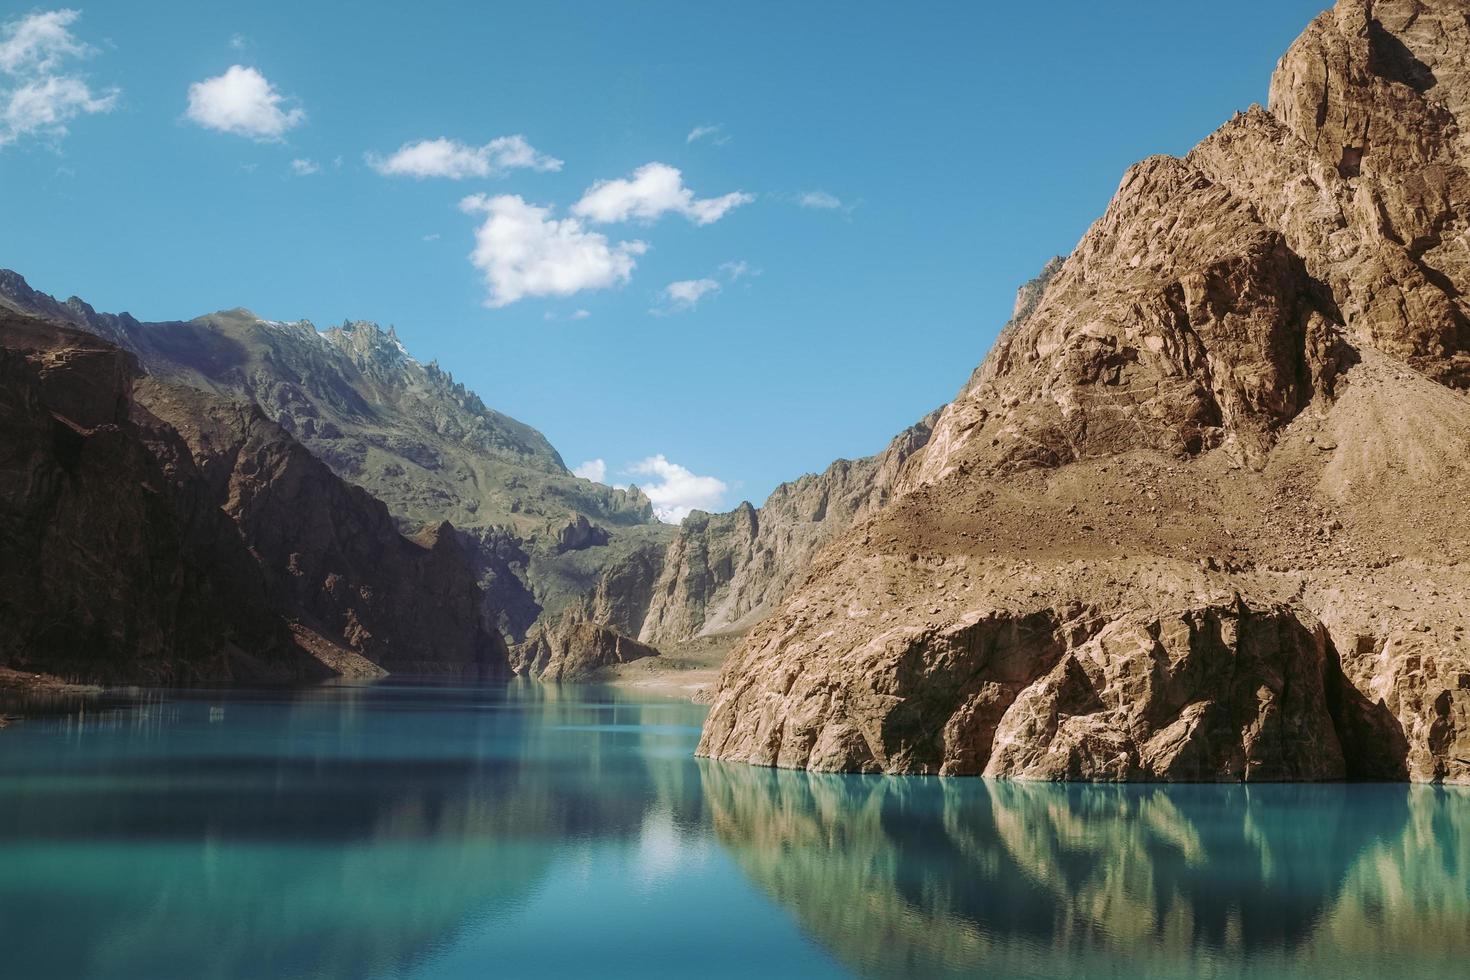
{"points": [[571, 570], [405, 431]]}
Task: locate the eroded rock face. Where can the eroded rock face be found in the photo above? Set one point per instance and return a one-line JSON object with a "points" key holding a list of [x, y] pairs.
{"points": [[575, 649], [154, 532], [117, 567], [1367, 177], [579, 533], [1199, 514], [1180, 323], [725, 572], [408, 604], [1201, 694]]}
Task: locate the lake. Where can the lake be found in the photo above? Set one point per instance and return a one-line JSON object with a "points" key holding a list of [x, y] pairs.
{"points": [[419, 831]]}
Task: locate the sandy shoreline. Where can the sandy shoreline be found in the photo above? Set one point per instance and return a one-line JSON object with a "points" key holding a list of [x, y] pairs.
{"points": [[689, 671]]}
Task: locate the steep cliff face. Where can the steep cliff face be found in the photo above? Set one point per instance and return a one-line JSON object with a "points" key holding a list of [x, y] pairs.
{"points": [[407, 603], [725, 572], [1180, 323], [406, 432], [1361, 163], [1198, 514], [574, 648], [154, 532], [116, 566]]}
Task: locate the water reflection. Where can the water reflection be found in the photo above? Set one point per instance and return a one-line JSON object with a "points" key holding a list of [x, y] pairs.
{"points": [[927, 876], [339, 832], [399, 831]]}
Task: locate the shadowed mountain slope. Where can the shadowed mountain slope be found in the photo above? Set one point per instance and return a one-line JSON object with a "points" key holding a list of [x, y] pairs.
{"points": [[153, 532]]}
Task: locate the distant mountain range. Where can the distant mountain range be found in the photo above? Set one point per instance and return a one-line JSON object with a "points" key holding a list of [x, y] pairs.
{"points": [[573, 573]]}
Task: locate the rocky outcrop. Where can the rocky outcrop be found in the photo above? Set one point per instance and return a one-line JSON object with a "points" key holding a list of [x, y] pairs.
{"points": [[1223, 689], [575, 649], [578, 533], [153, 532], [115, 568], [408, 604], [725, 572], [1360, 162], [1211, 335], [1196, 516]]}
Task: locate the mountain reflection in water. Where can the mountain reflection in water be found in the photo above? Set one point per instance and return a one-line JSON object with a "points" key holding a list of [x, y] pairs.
{"points": [[918, 876], [417, 831]]}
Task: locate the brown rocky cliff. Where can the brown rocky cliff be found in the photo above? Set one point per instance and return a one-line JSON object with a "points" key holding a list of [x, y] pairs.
{"points": [[1180, 323], [116, 567], [575, 648], [1375, 102], [1199, 513], [217, 549], [725, 572], [407, 604]]}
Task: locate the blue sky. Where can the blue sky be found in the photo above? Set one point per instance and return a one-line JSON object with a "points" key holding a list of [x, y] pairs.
{"points": [[875, 181]]}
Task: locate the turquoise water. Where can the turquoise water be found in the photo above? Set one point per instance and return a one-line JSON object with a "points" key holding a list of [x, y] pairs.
{"points": [[438, 832]]}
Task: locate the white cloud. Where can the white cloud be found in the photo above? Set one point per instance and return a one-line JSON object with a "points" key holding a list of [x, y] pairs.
{"points": [[242, 102], [432, 236], [40, 42], [456, 160], [734, 271], [305, 168], [522, 251], [676, 491], [594, 470], [701, 132], [819, 200], [653, 190], [578, 315], [239, 41], [684, 295], [38, 98]]}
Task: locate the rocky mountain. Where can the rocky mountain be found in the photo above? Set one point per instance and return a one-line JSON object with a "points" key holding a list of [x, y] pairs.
{"points": [[408, 433], [577, 574], [154, 532], [574, 647], [1199, 514], [725, 572]]}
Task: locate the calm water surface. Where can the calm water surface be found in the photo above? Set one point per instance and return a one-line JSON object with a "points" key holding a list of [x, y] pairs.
{"points": [[440, 832]]}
